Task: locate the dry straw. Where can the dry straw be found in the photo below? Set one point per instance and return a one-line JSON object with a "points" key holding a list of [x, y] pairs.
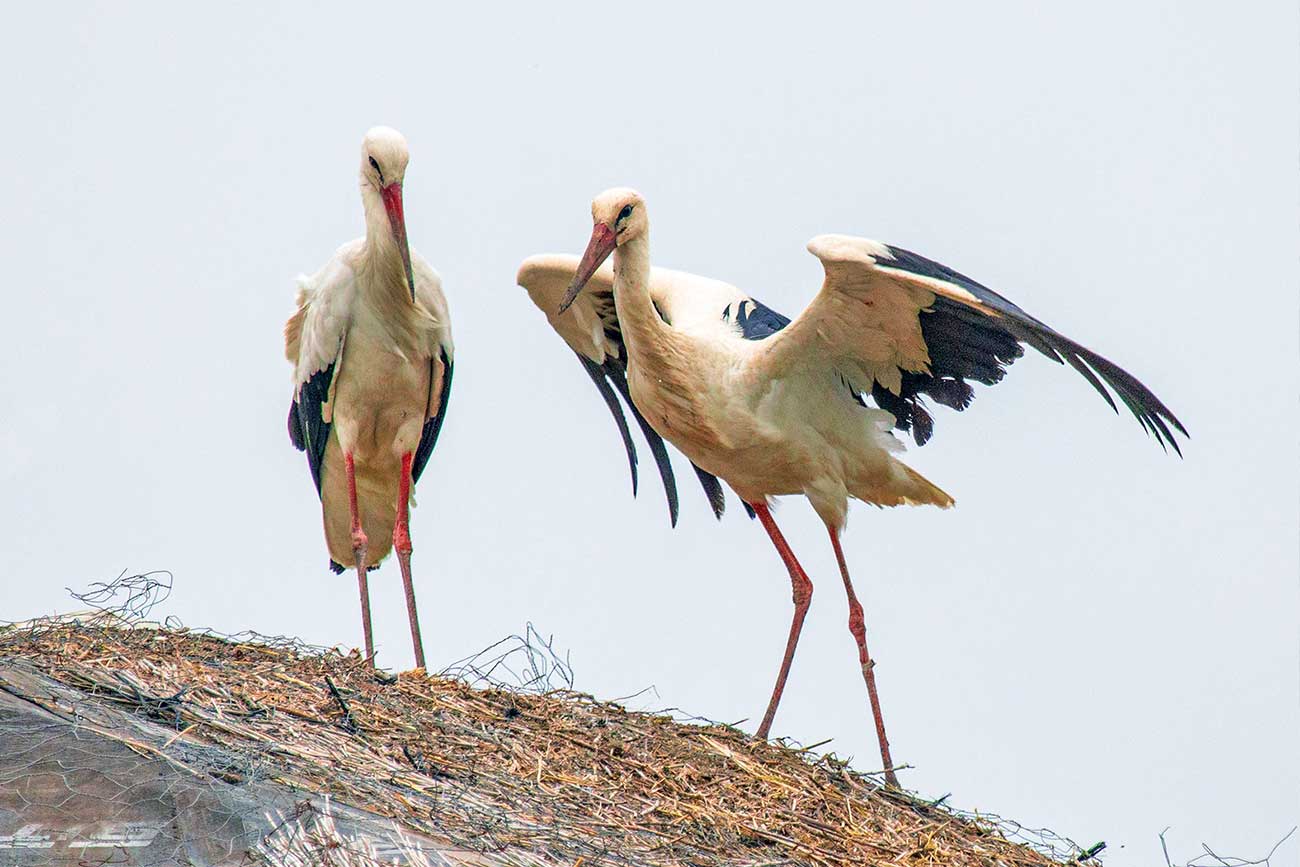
{"points": [[554, 778]]}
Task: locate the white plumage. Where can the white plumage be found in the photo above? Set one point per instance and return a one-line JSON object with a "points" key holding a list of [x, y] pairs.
{"points": [[773, 406], [769, 416], [372, 353]]}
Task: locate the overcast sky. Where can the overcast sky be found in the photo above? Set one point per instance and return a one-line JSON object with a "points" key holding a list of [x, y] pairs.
{"points": [[1100, 638]]}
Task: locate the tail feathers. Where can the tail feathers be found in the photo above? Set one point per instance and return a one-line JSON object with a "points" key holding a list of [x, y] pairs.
{"points": [[927, 492], [338, 568], [903, 486]]}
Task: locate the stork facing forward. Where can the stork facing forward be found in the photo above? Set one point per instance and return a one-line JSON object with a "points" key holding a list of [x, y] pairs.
{"points": [[371, 348], [773, 406]]}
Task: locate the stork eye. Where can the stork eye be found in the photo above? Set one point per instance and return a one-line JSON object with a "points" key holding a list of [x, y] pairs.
{"points": [[625, 213], [374, 165]]}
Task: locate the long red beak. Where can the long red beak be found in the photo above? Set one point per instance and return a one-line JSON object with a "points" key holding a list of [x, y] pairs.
{"points": [[602, 243], [392, 195]]}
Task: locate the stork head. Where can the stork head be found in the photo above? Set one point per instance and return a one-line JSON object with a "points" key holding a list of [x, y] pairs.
{"points": [[618, 215], [383, 168]]}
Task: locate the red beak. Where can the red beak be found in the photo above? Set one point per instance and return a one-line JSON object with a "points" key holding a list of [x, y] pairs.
{"points": [[602, 243], [392, 195]]}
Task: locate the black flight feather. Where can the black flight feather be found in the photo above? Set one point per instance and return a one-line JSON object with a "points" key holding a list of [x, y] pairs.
{"points": [[712, 490], [433, 427], [308, 430], [597, 374], [619, 378], [610, 378], [968, 344]]}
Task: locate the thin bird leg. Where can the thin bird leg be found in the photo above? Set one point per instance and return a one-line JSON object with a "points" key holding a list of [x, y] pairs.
{"points": [[359, 553], [402, 544], [857, 625], [803, 590]]}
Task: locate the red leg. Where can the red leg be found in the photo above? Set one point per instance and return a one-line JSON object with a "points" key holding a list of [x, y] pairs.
{"points": [[803, 590], [359, 553], [402, 544], [857, 626]]}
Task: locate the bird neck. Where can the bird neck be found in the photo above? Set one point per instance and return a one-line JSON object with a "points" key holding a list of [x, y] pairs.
{"points": [[380, 256], [643, 328]]}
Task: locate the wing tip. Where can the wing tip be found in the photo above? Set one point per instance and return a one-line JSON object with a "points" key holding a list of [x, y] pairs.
{"points": [[1107, 378], [541, 264], [712, 490], [848, 248], [1165, 419]]}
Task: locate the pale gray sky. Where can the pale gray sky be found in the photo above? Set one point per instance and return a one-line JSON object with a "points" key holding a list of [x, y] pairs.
{"points": [[1100, 638]]}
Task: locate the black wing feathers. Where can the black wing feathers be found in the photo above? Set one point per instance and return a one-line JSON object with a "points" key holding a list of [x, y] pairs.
{"points": [[756, 319], [615, 371], [967, 344], [961, 348], [308, 430], [600, 378], [712, 490], [296, 435], [610, 378], [432, 427]]}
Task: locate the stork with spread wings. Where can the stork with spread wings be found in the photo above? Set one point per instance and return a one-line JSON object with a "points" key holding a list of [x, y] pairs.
{"points": [[773, 406]]}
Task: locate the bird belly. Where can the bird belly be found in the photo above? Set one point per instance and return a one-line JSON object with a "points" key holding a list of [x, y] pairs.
{"points": [[796, 436], [380, 402], [379, 408]]}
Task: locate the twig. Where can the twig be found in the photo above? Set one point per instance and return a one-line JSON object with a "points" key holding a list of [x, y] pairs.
{"points": [[348, 722]]}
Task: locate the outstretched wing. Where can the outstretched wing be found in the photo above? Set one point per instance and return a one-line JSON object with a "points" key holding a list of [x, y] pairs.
{"points": [[900, 327], [591, 329], [313, 344]]}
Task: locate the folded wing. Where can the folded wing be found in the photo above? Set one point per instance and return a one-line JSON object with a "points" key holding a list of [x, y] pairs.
{"points": [[428, 290], [313, 343]]}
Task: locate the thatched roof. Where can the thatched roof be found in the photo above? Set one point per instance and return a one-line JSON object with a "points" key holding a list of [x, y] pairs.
{"points": [[165, 746]]}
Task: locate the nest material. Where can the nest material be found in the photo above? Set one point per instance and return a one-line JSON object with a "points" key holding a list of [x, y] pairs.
{"points": [[561, 776]]}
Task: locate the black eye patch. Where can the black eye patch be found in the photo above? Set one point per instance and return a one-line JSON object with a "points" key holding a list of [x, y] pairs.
{"points": [[375, 165], [625, 213]]}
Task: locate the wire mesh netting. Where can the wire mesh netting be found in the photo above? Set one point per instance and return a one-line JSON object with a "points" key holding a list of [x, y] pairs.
{"points": [[1207, 857], [129, 742]]}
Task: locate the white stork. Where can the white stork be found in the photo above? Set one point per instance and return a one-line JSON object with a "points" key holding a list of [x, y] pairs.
{"points": [[371, 348], [774, 406]]}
